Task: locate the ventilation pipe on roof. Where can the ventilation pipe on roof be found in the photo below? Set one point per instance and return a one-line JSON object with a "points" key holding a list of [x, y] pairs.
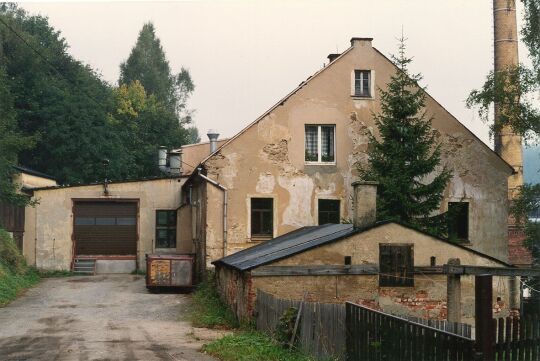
{"points": [[170, 163], [175, 162], [162, 159], [365, 203], [213, 136]]}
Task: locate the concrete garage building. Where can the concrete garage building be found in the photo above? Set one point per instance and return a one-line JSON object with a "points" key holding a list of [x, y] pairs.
{"points": [[116, 225], [386, 266]]}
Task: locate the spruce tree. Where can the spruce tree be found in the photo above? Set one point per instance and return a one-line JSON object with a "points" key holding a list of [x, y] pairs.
{"points": [[148, 64], [405, 160]]}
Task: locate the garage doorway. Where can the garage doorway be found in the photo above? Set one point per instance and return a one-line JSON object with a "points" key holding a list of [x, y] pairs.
{"points": [[105, 228]]}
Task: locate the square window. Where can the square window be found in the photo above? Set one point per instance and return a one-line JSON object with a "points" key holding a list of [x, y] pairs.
{"points": [[458, 221], [396, 265], [362, 83], [320, 143], [328, 211], [262, 218], [166, 229]]}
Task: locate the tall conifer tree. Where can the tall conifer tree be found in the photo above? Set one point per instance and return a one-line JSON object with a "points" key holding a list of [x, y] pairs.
{"points": [[406, 159]]}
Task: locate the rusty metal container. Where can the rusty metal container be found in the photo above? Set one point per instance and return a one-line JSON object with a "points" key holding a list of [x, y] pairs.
{"points": [[169, 270]]}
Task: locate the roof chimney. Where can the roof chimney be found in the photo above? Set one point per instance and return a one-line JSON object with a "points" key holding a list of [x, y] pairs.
{"points": [[332, 57], [213, 136], [365, 203], [361, 41]]}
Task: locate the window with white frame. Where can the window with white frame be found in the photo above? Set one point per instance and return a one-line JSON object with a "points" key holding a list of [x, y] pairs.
{"points": [[320, 145], [362, 83]]}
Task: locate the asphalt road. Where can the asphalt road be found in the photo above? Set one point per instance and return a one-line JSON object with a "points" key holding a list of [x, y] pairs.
{"points": [[107, 317]]}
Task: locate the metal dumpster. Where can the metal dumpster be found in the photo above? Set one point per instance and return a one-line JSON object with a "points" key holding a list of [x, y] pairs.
{"points": [[169, 270]]}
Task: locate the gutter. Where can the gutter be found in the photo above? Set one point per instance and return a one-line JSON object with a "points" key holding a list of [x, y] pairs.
{"points": [[216, 184]]}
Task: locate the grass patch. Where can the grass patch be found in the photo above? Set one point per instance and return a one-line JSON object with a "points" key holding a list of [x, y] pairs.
{"points": [[55, 273], [139, 272], [208, 310], [252, 346], [15, 275]]}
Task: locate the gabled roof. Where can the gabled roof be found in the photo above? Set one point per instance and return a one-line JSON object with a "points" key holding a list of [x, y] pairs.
{"points": [[306, 238], [304, 83]]}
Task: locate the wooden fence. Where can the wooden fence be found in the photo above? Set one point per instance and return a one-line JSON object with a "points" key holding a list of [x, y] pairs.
{"points": [[376, 336], [461, 329], [321, 331], [517, 339]]}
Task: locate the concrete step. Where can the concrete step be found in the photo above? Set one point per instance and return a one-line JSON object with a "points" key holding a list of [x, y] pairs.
{"points": [[84, 266]]}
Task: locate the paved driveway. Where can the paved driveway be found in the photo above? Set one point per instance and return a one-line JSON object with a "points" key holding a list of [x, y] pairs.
{"points": [[109, 317]]}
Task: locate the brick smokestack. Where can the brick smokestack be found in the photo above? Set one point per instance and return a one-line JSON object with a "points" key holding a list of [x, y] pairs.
{"points": [[507, 144]]}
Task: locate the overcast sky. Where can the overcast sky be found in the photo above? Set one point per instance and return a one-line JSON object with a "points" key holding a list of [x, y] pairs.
{"points": [[245, 55]]}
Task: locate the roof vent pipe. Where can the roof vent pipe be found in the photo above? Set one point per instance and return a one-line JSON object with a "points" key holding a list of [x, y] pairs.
{"points": [[365, 203], [175, 162], [162, 159], [213, 136]]}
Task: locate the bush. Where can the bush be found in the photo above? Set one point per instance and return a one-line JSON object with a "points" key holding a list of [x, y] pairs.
{"points": [[208, 309], [15, 275]]}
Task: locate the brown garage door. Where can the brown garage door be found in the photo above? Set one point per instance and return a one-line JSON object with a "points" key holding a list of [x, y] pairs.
{"points": [[105, 228]]}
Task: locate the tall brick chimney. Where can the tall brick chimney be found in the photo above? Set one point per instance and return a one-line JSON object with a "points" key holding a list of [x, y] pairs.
{"points": [[507, 144]]}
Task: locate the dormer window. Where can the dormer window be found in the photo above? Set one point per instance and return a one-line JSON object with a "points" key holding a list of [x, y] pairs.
{"points": [[362, 83]]}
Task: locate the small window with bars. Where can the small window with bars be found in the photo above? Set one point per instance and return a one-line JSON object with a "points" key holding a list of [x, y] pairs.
{"points": [[328, 211], [396, 265], [362, 83], [320, 143], [165, 229], [262, 218]]}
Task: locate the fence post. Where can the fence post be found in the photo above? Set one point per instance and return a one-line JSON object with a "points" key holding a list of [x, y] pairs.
{"points": [[483, 316], [453, 293]]}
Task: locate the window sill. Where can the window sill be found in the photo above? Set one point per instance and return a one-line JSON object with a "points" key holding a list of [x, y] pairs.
{"points": [[260, 238], [360, 97], [320, 163]]}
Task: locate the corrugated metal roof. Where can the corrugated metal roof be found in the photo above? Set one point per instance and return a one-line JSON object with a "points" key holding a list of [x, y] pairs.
{"points": [[286, 245]]}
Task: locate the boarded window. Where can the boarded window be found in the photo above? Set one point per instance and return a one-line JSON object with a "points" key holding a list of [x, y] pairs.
{"points": [[362, 83], [165, 229], [396, 264], [328, 211], [458, 221], [262, 218]]}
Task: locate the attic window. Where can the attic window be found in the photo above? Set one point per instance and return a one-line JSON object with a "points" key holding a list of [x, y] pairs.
{"points": [[458, 221], [396, 265], [362, 83]]}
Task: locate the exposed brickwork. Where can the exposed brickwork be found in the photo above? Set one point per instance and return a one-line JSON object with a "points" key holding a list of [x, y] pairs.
{"points": [[518, 254]]}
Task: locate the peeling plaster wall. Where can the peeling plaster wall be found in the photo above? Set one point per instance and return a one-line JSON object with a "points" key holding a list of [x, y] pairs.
{"points": [[268, 158], [426, 299], [47, 241]]}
